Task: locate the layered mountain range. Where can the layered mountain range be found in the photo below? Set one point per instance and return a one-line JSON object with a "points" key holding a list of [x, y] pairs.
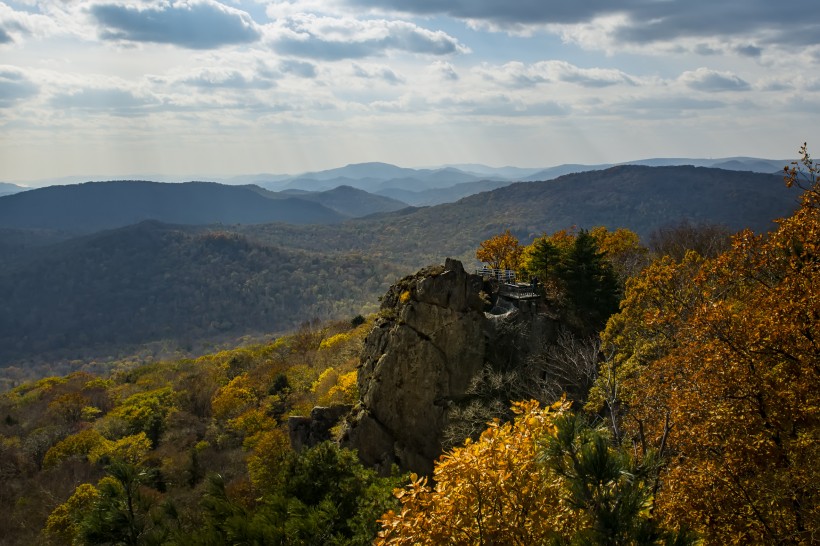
{"points": [[94, 270]]}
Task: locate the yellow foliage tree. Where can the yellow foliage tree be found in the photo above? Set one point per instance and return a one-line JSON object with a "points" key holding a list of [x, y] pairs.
{"points": [[62, 525], [80, 444], [492, 491], [239, 395], [500, 252], [623, 249], [130, 449]]}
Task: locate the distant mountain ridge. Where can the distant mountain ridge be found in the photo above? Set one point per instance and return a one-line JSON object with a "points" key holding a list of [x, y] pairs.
{"points": [[94, 206], [8, 189], [235, 279], [636, 197]]}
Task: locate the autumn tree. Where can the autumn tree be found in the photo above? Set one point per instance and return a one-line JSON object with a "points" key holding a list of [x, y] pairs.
{"points": [[675, 240], [622, 248], [544, 478], [502, 251], [725, 377], [491, 491], [119, 510]]}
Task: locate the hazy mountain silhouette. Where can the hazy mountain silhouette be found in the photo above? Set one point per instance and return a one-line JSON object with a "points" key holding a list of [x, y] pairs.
{"points": [[8, 189], [349, 201], [636, 197], [93, 206]]}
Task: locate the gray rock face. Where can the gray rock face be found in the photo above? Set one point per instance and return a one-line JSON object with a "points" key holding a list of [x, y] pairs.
{"points": [[433, 337], [308, 431]]}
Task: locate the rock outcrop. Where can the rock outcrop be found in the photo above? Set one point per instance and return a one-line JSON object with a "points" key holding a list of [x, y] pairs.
{"points": [[437, 330], [309, 431]]}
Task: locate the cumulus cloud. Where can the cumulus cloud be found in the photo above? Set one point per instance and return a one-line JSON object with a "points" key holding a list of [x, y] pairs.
{"points": [[227, 79], [672, 104], [520, 75], [14, 87], [749, 51], [302, 69], [704, 79], [332, 39], [642, 22], [196, 24], [445, 70], [377, 72], [114, 100]]}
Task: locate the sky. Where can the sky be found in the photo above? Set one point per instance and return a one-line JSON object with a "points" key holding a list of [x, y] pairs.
{"points": [[212, 88]]}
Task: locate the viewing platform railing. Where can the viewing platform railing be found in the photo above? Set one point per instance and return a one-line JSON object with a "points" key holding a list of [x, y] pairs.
{"points": [[507, 286], [501, 275]]}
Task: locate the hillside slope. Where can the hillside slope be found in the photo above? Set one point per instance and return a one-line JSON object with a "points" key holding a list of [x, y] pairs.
{"points": [[636, 197], [349, 201], [153, 282], [93, 206]]}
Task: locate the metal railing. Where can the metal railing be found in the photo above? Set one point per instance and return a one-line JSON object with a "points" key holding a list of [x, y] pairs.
{"points": [[518, 291], [501, 275], [507, 285]]}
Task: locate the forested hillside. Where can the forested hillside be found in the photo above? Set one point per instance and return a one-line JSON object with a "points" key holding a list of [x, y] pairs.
{"points": [[189, 451], [107, 293], [697, 422], [101, 295], [94, 206], [639, 198]]}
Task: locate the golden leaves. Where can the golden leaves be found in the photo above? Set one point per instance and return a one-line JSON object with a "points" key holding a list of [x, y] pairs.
{"points": [[732, 384], [491, 491]]}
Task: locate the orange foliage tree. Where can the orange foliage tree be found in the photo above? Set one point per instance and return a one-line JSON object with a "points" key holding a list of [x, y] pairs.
{"points": [[502, 251], [724, 378]]}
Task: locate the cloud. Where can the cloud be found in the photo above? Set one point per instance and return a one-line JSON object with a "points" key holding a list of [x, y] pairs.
{"points": [[5, 37], [379, 72], [333, 39], [298, 68], [445, 70], [226, 79], [14, 87], [520, 75], [114, 100], [704, 79], [749, 51], [196, 24], [641, 21], [503, 106], [664, 107], [509, 12]]}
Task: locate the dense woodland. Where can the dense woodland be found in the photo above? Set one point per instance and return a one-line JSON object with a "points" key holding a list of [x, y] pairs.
{"points": [[697, 421], [110, 293]]}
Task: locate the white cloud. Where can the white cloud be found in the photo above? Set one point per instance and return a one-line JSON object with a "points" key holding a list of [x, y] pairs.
{"points": [[640, 22], [704, 79], [332, 38], [15, 86], [194, 24], [445, 70], [520, 75], [382, 73]]}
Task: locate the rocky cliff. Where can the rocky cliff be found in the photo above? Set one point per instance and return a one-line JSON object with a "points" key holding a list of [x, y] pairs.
{"points": [[437, 332]]}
